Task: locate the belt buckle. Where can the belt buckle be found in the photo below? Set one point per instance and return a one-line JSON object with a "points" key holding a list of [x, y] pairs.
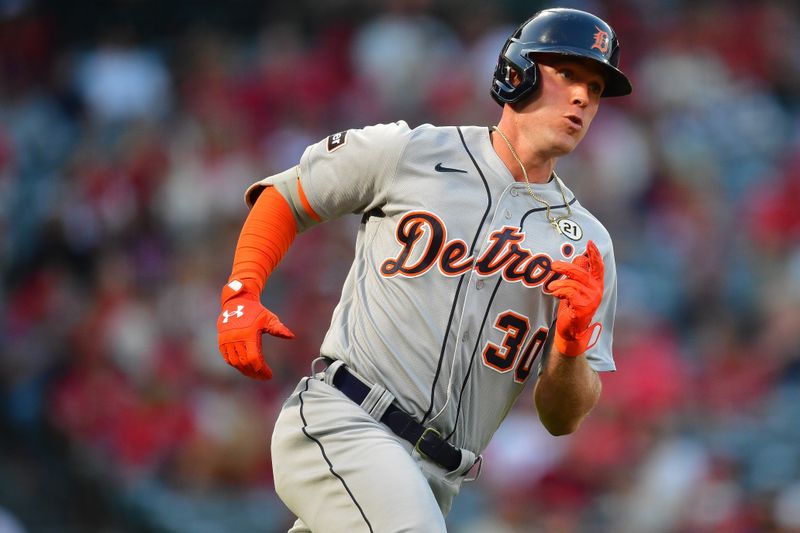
{"points": [[316, 362], [433, 431]]}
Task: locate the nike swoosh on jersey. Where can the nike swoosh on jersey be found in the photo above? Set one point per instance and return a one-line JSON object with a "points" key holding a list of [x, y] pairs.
{"points": [[441, 168]]}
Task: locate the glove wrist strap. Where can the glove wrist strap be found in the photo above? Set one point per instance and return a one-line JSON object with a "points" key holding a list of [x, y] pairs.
{"points": [[571, 347], [577, 345], [241, 288]]}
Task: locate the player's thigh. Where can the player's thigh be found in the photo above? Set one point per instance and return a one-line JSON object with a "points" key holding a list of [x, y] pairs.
{"points": [[338, 469]]}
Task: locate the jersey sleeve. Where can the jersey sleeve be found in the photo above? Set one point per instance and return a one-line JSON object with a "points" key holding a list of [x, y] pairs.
{"points": [[350, 172], [347, 172]]}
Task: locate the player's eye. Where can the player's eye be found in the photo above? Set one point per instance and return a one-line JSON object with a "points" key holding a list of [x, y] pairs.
{"points": [[596, 88], [566, 73]]}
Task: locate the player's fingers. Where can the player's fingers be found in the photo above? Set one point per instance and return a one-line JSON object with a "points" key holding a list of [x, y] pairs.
{"points": [[243, 361], [268, 322], [228, 353], [259, 367], [232, 357], [564, 293], [571, 270], [277, 328], [582, 261], [264, 372], [596, 265], [569, 285], [248, 359]]}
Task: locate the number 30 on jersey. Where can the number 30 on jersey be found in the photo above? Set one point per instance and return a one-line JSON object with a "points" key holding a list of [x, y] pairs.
{"points": [[506, 355]]}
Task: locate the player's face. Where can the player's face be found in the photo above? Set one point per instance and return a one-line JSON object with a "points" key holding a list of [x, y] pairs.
{"points": [[568, 99]]}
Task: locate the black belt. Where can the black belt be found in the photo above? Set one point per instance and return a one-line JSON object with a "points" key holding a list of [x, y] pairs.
{"points": [[427, 441]]}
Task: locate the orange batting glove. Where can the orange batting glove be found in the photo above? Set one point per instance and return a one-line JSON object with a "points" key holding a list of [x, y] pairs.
{"points": [[580, 294], [240, 325]]}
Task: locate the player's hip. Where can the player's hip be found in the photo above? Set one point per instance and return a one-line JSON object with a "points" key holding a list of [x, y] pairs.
{"points": [[318, 410], [338, 469]]}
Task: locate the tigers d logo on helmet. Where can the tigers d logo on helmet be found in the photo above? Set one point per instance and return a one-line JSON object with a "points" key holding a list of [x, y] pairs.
{"points": [[601, 40]]}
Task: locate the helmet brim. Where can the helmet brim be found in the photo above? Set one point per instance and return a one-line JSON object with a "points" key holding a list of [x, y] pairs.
{"points": [[617, 83]]}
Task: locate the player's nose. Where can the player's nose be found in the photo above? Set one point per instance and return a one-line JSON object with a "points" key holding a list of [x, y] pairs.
{"points": [[580, 94]]}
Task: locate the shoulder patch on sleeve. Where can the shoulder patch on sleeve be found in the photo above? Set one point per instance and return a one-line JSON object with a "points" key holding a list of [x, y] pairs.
{"points": [[337, 140]]}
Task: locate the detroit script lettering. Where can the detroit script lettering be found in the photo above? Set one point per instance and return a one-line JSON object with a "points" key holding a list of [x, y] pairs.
{"points": [[504, 254]]}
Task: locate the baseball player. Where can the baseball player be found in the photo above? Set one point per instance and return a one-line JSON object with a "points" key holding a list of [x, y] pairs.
{"points": [[476, 270]]}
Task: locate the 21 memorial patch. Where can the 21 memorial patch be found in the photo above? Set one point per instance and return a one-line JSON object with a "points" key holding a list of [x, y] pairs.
{"points": [[337, 140]]}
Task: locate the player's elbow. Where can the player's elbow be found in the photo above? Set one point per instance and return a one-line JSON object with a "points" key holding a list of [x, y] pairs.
{"points": [[559, 428]]}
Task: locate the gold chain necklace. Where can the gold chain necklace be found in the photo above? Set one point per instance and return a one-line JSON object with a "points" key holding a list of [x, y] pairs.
{"points": [[553, 220]]}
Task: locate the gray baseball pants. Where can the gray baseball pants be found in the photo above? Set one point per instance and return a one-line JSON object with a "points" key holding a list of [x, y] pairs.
{"points": [[340, 470]]}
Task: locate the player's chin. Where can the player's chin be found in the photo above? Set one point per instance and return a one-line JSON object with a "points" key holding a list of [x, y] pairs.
{"points": [[576, 135], [568, 142]]}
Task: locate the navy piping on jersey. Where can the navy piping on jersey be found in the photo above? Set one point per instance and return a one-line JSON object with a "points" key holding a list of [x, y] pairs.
{"points": [[325, 456], [483, 323], [461, 279], [537, 209], [472, 358]]}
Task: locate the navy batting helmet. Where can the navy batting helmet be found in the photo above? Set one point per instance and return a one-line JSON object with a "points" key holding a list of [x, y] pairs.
{"points": [[557, 31]]}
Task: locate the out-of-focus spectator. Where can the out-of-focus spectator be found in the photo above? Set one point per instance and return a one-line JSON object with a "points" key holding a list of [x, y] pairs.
{"points": [[401, 52], [121, 81]]}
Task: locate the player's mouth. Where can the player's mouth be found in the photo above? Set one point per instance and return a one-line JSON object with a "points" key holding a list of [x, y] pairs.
{"points": [[575, 120]]}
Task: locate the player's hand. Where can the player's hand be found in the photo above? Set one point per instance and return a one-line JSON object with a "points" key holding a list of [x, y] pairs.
{"points": [[240, 325], [580, 294]]}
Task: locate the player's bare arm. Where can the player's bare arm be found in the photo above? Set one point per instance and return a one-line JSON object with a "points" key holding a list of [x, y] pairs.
{"points": [[566, 391]]}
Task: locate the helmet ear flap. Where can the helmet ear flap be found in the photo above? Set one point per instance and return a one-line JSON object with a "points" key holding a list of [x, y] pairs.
{"points": [[505, 89]]}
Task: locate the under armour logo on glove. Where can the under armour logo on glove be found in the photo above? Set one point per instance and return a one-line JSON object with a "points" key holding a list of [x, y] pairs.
{"points": [[237, 314], [240, 339]]}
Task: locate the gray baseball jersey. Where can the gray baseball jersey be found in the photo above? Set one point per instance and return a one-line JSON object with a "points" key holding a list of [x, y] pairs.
{"points": [[446, 303]]}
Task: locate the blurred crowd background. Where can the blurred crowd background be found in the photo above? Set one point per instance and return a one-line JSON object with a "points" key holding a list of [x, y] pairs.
{"points": [[129, 130]]}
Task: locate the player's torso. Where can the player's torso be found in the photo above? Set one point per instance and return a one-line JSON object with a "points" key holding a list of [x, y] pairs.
{"points": [[447, 304]]}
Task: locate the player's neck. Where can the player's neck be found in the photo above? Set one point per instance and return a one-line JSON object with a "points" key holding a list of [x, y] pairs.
{"points": [[539, 168]]}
